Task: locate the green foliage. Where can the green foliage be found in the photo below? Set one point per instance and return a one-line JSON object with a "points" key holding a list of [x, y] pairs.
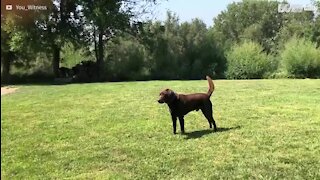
{"points": [[301, 58], [247, 61]]}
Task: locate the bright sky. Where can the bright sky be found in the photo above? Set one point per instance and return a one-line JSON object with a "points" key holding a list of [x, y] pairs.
{"points": [[203, 9]]}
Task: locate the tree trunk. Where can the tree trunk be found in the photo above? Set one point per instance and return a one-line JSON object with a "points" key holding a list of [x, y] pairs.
{"points": [[100, 54], [6, 64], [56, 60], [100, 49], [95, 43]]}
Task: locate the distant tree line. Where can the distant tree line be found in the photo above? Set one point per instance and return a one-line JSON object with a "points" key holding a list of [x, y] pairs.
{"points": [[249, 40]]}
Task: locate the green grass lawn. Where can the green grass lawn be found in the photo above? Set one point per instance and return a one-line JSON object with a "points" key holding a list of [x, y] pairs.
{"points": [[268, 129]]}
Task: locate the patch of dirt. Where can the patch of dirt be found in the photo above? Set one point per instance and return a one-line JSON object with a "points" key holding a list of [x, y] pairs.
{"points": [[7, 90]]}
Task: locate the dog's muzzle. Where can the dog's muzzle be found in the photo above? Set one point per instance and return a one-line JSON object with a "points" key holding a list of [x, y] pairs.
{"points": [[160, 101]]}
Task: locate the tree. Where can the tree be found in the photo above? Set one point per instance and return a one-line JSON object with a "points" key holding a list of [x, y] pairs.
{"points": [[105, 19], [7, 56], [126, 59], [316, 25], [295, 24], [181, 51], [200, 53], [260, 21], [163, 44], [62, 24], [17, 40]]}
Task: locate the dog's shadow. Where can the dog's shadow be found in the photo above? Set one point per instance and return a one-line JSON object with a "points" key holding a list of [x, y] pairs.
{"points": [[199, 134]]}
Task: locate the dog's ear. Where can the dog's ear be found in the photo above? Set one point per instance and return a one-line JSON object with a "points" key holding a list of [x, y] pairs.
{"points": [[177, 95], [172, 96]]}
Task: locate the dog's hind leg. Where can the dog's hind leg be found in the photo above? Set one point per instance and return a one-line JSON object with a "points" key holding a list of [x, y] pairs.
{"points": [[207, 112], [181, 121]]}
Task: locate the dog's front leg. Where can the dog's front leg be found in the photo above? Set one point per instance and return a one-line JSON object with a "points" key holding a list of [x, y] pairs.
{"points": [[174, 124], [181, 121]]}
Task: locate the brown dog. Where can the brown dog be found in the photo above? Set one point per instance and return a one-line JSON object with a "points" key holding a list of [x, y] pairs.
{"points": [[181, 104]]}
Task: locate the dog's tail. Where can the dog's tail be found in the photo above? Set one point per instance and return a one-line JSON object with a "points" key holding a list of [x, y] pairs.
{"points": [[211, 86]]}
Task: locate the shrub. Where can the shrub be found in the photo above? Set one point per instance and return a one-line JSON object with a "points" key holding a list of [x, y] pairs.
{"points": [[300, 58], [39, 67], [248, 61], [72, 55], [126, 61]]}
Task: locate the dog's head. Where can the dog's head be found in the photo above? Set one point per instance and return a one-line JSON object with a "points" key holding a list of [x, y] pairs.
{"points": [[167, 96]]}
